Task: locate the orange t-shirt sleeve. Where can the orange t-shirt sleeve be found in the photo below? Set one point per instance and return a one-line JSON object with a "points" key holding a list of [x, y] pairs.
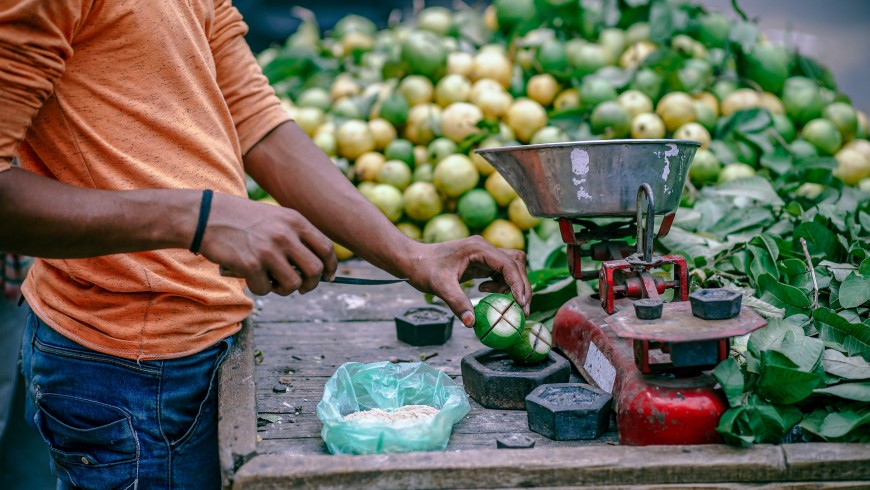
{"points": [[255, 109], [35, 44]]}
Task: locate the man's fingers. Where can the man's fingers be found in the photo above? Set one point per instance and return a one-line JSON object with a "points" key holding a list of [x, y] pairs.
{"points": [[458, 302], [308, 264], [283, 277], [321, 246], [259, 283]]}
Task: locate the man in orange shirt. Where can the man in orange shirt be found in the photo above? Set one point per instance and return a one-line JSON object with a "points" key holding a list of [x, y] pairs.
{"points": [[135, 123]]}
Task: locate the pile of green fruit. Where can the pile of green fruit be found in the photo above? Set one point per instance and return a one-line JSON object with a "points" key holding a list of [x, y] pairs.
{"points": [[778, 199]]}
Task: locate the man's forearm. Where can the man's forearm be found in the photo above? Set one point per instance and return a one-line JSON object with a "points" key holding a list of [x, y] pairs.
{"points": [[45, 218], [293, 170]]}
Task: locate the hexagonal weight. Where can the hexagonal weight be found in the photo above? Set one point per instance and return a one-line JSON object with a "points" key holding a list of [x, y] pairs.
{"points": [[492, 379], [715, 303], [569, 411], [424, 325]]}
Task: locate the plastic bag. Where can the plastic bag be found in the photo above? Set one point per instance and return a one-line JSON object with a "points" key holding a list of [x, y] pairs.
{"points": [[388, 386]]}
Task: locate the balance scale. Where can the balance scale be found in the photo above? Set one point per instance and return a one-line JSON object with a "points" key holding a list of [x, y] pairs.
{"points": [[653, 357]]}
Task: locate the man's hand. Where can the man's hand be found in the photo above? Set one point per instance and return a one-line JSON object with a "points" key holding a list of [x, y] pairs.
{"points": [[274, 249], [440, 268]]}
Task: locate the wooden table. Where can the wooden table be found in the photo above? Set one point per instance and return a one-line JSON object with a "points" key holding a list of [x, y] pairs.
{"points": [[271, 439]]}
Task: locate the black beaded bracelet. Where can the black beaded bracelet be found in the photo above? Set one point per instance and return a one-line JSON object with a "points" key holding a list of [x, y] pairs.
{"points": [[204, 210]]}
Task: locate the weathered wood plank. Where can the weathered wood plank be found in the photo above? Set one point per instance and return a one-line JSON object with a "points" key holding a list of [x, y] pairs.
{"points": [[237, 412], [578, 466], [733, 486], [823, 462]]}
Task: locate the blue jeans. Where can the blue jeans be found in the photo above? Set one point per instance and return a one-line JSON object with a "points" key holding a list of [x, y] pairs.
{"points": [[114, 423]]}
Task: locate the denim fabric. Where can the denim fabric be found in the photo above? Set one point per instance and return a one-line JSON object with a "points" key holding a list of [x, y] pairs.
{"points": [[114, 423]]}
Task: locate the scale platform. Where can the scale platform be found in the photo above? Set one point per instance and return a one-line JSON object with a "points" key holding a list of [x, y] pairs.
{"points": [[578, 182]]}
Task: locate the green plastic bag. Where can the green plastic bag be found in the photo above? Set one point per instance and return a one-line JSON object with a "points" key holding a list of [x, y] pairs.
{"points": [[388, 386]]}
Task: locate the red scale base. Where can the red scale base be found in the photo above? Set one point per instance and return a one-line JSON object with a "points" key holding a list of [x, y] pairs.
{"points": [[650, 409]]}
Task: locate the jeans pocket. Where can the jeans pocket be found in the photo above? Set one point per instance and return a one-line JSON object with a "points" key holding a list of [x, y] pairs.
{"points": [[92, 444]]}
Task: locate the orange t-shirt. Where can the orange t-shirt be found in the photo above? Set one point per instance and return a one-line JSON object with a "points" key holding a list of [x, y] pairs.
{"points": [[126, 94]]}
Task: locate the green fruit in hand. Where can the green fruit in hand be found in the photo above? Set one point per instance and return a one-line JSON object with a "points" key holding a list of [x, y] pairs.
{"points": [[595, 91], [844, 117], [734, 171], [705, 168], [421, 201], [400, 149], [499, 321], [802, 100], [784, 127], [824, 135], [477, 208], [611, 120], [534, 344], [443, 228]]}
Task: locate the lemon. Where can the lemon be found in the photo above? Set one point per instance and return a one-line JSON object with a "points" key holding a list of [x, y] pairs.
{"points": [[648, 82], [492, 64], [484, 168], [567, 99], [443, 228], [613, 41], [440, 148], [852, 166], [309, 119], [477, 208], [396, 173], [636, 54], [768, 66], [844, 117], [736, 170], [810, 190], [452, 88], [864, 185], [519, 214], [824, 135], [438, 20], [498, 321], [552, 57], [315, 97], [459, 120], [424, 54], [676, 109], [460, 63], [411, 231], [705, 168], [423, 173], [784, 127], [344, 86], [383, 132], [802, 100], [588, 59], [494, 104], [388, 199], [356, 42], [862, 145], [421, 155], [484, 85], [326, 142], [611, 120], [534, 344], [354, 138], [713, 29], [595, 91], [740, 99], [504, 234], [693, 131], [803, 149], [416, 90], [542, 88], [499, 189], [368, 165], [525, 117], [424, 122], [709, 100], [548, 134], [647, 126], [772, 103], [400, 149], [637, 32], [511, 13], [635, 102], [455, 175], [705, 116], [346, 108], [421, 201]]}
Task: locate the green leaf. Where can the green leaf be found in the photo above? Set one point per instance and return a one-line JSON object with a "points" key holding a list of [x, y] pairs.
{"points": [[757, 188], [728, 374], [855, 291], [766, 241], [787, 295], [763, 308], [741, 219], [821, 242], [780, 163], [793, 267], [540, 249], [729, 427], [853, 338], [805, 352], [542, 278], [761, 263], [852, 367], [858, 391], [840, 424], [781, 381], [864, 268], [770, 336], [839, 271]]}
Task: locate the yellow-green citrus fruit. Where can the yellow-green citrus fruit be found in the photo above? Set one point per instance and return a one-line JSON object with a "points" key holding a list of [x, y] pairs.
{"points": [[768, 66], [368, 165], [525, 117], [504, 234], [595, 91], [693, 131], [435, 19], [346, 108], [519, 214], [637, 32], [440, 148], [354, 138], [802, 100], [326, 142], [588, 59], [484, 167], [309, 119], [705, 116], [365, 188], [400, 149], [492, 64], [542, 88], [383, 132], [341, 253], [862, 145], [852, 166], [395, 109], [490, 18], [459, 120], [344, 86], [824, 135], [675, 109], [803, 149], [647, 126], [863, 126], [482, 86], [736, 170], [421, 155], [452, 88], [567, 99], [784, 127], [713, 29], [499, 188], [709, 100], [416, 90], [648, 82], [411, 231], [810, 190], [455, 175], [635, 102], [421, 201], [477, 209], [739, 100], [388, 199], [549, 134], [552, 57], [772, 103], [611, 120], [844, 117], [612, 40], [424, 54], [512, 13], [494, 104], [636, 54], [396, 173], [443, 228], [499, 321], [864, 185], [460, 63], [705, 168], [534, 344], [423, 173], [315, 97], [424, 122]]}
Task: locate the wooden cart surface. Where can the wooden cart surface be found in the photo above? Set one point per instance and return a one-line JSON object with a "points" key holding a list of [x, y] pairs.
{"points": [[270, 439]]}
